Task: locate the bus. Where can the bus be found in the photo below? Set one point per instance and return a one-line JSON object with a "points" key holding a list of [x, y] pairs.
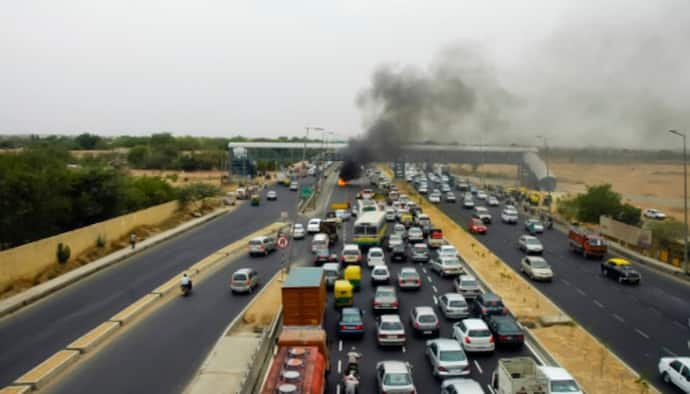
{"points": [[370, 229], [365, 205]]}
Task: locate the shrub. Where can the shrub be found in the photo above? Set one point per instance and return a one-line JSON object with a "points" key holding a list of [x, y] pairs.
{"points": [[63, 253], [100, 241]]}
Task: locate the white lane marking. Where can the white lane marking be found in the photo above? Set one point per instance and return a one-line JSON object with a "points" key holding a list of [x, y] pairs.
{"points": [[679, 324], [620, 319], [340, 345], [476, 364], [435, 289], [579, 290], [565, 282], [435, 300], [404, 349], [667, 350], [337, 389], [599, 304], [491, 389], [429, 279], [642, 333], [424, 270]]}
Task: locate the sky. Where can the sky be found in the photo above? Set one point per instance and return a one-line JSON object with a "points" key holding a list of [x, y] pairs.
{"points": [[579, 72]]}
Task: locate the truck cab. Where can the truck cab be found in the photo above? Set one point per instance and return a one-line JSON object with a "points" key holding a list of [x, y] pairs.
{"points": [[518, 375]]}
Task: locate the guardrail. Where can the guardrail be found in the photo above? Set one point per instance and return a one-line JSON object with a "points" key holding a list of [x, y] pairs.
{"points": [[260, 360]]}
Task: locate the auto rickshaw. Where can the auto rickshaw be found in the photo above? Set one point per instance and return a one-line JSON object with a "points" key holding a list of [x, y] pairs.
{"points": [[256, 200], [353, 274], [342, 293]]}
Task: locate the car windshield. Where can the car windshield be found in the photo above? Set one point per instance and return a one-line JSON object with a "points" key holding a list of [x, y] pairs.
{"points": [[396, 237], [457, 303], [564, 386], [397, 379], [451, 261], [350, 317], [452, 355], [299, 227], [533, 241], [596, 242], [385, 293], [375, 253], [351, 252], [427, 319], [380, 271], [479, 333], [481, 210], [408, 274], [468, 283], [239, 277], [391, 325], [256, 242], [539, 263]]}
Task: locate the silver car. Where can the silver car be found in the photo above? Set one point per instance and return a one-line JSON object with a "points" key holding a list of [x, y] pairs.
{"points": [[468, 203], [394, 239], [244, 280], [468, 286], [447, 265], [424, 321], [453, 306], [298, 231], [536, 268], [380, 274], [461, 385], [415, 235], [394, 377], [409, 278], [390, 331], [535, 223], [530, 244], [474, 335], [447, 357], [419, 252]]}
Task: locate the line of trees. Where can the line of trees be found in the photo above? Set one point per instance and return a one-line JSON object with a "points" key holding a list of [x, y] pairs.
{"points": [[599, 200]]}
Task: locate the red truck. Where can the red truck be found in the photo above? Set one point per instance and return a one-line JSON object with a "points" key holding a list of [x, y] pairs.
{"points": [[589, 244]]}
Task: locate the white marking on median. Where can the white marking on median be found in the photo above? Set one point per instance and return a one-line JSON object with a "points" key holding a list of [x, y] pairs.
{"points": [[599, 304], [435, 289], [579, 290], [678, 324], [565, 282], [429, 279], [491, 389], [476, 364], [424, 270], [340, 366], [667, 350], [340, 345], [404, 349], [337, 389], [435, 300], [642, 333], [620, 319]]}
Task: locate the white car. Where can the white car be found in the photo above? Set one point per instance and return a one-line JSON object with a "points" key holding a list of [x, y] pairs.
{"points": [[652, 213], [560, 380], [468, 203], [394, 377], [447, 357], [390, 215], [351, 254], [298, 231], [342, 214], [474, 335], [492, 201], [393, 240], [271, 195], [481, 194], [483, 214], [435, 198], [314, 226], [380, 274], [453, 306], [447, 251], [375, 256], [676, 370], [536, 268], [446, 266], [461, 385], [390, 331], [530, 244], [509, 215]]}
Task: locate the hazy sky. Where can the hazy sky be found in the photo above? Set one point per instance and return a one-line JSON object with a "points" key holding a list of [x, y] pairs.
{"points": [[577, 70]]}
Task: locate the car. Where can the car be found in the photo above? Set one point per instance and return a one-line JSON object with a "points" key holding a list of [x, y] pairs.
{"points": [[536, 268], [314, 226], [380, 274], [461, 386], [375, 256], [468, 286], [399, 253], [419, 253], [505, 330], [435, 238], [487, 304], [271, 195], [560, 380], [453, 306], [244, 280], [492, 201], [331, 271], [447, 250], [530, 244], [395, 239], [408, 278], [351, 254], [536, 223], [424, 321], [676, 371], [481, 194], [367, 194], [468, 203], [261, 246], [483, 214], [394, 377], [342, 214], [322, 256], [450, 197], [390, 215], [474, 335], [294, 186], [385, 299], [445, 188], [415, 234], [447, 266], [509, 215], [390, 331], [435, 198], [399, 229], [298, 231], [446, 357], [422, 220], [652, 213], [351, 322], [476, 226], [621, 270], [423, 190]]}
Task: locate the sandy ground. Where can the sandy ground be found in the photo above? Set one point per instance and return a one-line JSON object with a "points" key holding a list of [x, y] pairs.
{"points": [[264, 307]]}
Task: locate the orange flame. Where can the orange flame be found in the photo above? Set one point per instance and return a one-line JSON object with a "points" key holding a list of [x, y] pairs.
{"points": [[342, 182]]}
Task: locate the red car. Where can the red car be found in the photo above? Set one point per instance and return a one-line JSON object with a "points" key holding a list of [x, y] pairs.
{"points": [[477, 226]]}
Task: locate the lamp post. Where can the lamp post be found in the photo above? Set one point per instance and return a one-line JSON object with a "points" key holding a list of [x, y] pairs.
{"points": [[685, 198], [306, 137]]}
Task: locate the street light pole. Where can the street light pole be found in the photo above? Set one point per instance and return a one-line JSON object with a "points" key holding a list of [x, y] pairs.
{"points": [[306, 137], [685, 197]]}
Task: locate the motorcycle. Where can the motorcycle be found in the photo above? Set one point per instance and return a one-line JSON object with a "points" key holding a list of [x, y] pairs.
{"points": [[351, 378], [186, 289]]}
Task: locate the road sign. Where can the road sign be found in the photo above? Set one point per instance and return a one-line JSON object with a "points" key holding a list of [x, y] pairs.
{"points": [[306, 191], [283, 242]]}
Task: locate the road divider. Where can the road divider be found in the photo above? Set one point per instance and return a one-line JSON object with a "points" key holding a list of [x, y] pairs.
{"points": [[48, 369], [23, 389]]}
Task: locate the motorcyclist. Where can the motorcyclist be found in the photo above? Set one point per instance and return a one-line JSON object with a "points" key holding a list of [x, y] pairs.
{"points": [[353, 357], [186, 282], [351, 383]]}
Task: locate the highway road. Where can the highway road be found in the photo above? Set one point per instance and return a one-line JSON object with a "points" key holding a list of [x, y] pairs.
{"points": [[433, 285], [639, 323], [36, 332]]}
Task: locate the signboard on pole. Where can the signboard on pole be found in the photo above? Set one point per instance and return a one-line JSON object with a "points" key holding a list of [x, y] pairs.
{"points": [[283, 242]]}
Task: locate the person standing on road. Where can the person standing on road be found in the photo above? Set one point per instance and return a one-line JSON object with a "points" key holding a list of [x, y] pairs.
{"points": [[133, 240]]}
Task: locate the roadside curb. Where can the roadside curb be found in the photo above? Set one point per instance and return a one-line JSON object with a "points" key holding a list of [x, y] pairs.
{"points": [[91, 339], [126, 315], [22, 389], [43, 372], [33, 294]]}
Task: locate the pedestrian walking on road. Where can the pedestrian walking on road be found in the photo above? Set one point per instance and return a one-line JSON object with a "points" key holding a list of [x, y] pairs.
{"points": [[133, 240]]}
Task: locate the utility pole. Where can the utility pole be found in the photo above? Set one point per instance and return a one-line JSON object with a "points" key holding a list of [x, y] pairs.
{"points": [[685, 198], [306, 137]]}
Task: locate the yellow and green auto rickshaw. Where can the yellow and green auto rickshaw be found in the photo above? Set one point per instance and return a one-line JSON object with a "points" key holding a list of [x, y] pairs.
{"points": [[353, 274], [256, 200], [342, 293]]}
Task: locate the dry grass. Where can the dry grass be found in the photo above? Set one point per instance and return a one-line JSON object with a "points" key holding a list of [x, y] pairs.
{"points": [[264, 307]]}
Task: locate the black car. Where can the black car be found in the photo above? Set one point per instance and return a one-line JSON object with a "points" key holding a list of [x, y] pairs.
{"points": [[506, 331], [399, 252], [620, 270], [322, 256], [489, 304]]}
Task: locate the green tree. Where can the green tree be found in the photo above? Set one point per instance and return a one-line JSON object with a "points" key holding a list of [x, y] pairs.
{"points": [[87, 141], [667, 232], [597, 201], [138, 156], [629, 214]]}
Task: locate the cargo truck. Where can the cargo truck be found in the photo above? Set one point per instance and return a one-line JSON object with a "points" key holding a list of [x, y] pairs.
{"points": [[519, 375], [587, 243], [304, 297]]}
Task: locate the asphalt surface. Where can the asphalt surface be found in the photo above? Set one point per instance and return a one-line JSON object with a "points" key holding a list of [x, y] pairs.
{"points": [[481, 365], [34, 333], [640, 324]]}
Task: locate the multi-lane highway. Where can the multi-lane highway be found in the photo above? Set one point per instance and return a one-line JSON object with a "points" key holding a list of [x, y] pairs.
{"points": [[36, 332]]}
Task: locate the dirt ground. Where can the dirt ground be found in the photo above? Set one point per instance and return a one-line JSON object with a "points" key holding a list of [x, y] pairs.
{"points": [[264, 308], [181, 178]]}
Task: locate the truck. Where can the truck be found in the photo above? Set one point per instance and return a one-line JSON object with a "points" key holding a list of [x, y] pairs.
{"points": [[304, 297], [519, 375], [581, 240], [329, 226]]}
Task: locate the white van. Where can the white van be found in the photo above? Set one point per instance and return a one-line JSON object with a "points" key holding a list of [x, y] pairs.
{"points": [[320, 241], [560, 381]]}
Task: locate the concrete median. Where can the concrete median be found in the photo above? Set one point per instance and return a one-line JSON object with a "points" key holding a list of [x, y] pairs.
{"points": [[89, 340], [132, 311], [48, 369], [21, 389]]}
